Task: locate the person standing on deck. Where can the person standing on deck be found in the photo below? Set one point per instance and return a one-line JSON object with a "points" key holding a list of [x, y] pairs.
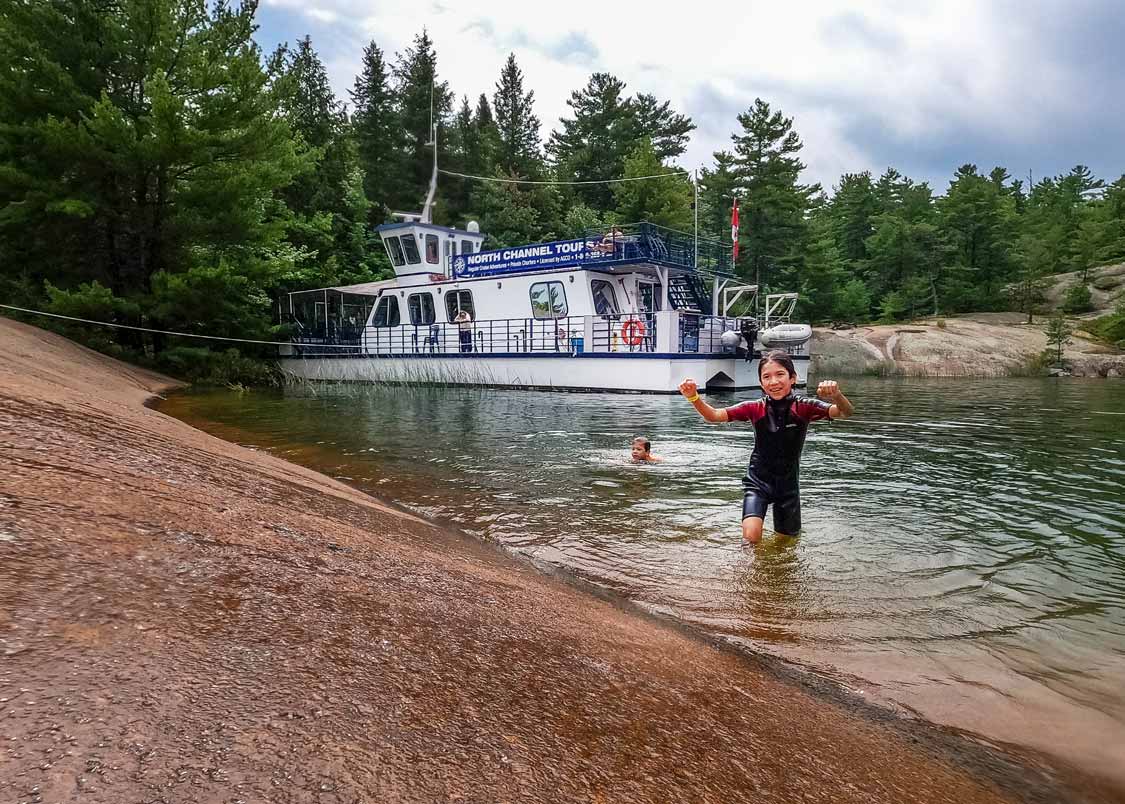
{"points": [[781, 419], [464, 322]]}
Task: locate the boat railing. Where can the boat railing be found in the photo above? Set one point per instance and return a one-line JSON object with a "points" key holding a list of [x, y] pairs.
{"points": [[531, 336], [626, 333], [704, 333], [647, 242]]}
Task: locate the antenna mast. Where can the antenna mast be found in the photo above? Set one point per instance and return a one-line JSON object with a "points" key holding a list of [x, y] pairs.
{"points": [[427, 208]]}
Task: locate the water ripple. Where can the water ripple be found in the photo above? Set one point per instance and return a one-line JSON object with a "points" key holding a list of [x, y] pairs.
{"points": [[963, 550]]}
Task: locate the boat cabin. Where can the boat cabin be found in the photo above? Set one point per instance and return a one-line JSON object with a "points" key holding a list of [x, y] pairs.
{"points": [[630, 289], [426, 250]]}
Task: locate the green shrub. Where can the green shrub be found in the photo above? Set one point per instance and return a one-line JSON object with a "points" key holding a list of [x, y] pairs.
{"points": [[892, 307], [202, 366], [1034, 365], [853, 303], [941, 323], [884, 368], [94, 302], [1109, 327], [1077, 299]]}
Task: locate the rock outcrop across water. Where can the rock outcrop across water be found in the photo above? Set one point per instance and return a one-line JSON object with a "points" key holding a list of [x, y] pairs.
{"points": [[976, 345]]}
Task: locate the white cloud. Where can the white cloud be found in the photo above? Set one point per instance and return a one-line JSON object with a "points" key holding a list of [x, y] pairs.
{"points": [[908, 75], [321, 14]]}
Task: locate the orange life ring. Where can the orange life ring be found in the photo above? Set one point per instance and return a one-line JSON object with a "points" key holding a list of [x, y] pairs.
{"points": [[633, 332]]}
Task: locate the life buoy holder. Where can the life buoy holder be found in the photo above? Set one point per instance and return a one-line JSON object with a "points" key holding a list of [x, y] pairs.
{"points": [[633, 332]]}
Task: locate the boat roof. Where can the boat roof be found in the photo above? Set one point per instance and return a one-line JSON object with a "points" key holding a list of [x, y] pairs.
{"points": [[386, 227], [370, 288], [362, 289]]}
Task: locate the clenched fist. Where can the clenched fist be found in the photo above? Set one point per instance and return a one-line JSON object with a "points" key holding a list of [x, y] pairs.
{"points": [[828, 390], [688, 388]]}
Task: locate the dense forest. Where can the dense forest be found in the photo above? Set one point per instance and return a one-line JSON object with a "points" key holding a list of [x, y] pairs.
{"points": [[158, 169]]}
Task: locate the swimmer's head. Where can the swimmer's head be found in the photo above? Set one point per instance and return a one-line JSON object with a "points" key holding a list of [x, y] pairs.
{"points": [[777, 374], [641, 448]]}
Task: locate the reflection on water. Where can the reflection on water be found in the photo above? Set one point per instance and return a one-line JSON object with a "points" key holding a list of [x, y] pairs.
{"points": [[963, 552]]}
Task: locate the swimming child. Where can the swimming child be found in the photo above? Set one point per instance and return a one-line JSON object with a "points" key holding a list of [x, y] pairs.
{"points": [[642, 451], [781, 419]]}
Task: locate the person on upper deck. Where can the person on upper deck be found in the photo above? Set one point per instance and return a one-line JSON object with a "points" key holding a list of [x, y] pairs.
{"points": [[464, 322], [612, 240], [781, 420]]}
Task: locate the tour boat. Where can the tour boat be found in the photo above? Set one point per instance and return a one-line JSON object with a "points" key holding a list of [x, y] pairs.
{"points": [[635, 308]]}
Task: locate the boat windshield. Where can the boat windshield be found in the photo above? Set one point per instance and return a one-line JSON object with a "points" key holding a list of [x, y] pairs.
{"points": [[410, 246], [395, 249]]}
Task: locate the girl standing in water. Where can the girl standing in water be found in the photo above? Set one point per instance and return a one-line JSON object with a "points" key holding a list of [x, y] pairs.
{"points": [[781, 419]]}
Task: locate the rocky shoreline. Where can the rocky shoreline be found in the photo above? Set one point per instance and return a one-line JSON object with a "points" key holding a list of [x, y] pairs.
{"points": [[976, 345], [186, 620]]}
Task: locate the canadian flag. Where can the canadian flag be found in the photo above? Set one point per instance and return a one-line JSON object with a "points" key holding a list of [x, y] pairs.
{"points": [[734, 227]]}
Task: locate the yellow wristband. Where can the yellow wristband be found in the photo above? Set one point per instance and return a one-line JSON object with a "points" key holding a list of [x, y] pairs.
{"points": [[693, 398]]}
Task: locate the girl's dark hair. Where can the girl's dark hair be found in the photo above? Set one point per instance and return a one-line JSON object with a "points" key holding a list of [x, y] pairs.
{"points": [[783, 359]]}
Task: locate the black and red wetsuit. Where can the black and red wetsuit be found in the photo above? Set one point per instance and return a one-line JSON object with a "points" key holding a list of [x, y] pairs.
{"points": [[779, 435]]}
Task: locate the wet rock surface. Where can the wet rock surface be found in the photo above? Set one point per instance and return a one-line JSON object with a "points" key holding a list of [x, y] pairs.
{"points": [[184, 620]]}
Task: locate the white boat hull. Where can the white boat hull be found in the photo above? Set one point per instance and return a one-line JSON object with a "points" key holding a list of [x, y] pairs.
{"points": [[659, 374]]}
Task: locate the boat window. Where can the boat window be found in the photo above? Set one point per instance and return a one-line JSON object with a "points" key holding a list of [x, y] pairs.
{"points": [[421, 308], [410, 246], [394, 248], [386, 313], [605, 300], [458, 300], [466, 246], [548, 300], [431, 249]]}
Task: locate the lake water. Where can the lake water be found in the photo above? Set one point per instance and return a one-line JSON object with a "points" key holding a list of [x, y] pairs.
{"points": [[963, 552]]}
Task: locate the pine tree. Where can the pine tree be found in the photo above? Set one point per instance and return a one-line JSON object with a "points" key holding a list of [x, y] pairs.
{"points": [[329, 205], [892, 252], [593, 144], [510, 216], [605, 129], [516, 124], [854, 302], [376, 131], [773, 207], [416, 86], [822, 274], [1058, 336], [667, 130], [1113, 210], [665, 201], [461, 143], [853, 208], [717, 189], [890, 190], [487, 139], [1033, 261], [980, 221], [139, 139], [308, 101]]}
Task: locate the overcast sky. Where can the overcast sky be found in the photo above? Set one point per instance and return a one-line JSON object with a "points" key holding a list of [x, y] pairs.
{"points": [[924, 87]]}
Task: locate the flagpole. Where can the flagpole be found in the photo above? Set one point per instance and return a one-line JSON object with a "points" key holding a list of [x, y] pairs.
{"points": [[695, 184]]}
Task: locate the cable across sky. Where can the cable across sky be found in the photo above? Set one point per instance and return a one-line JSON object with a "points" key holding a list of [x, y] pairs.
{"points": [[560, 182]]}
